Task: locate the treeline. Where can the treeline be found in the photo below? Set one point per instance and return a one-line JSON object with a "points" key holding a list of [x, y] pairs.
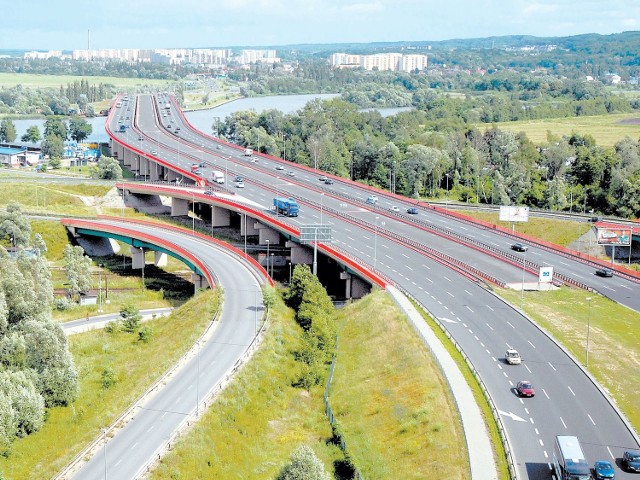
{"points": [[36, 369], [423, 153]]}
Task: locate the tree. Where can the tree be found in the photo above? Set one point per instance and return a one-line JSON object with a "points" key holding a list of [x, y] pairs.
{"points": [[15, 228], [109, 168], [55, 126], [303, 465], [53, 146], [78, 270], [32, 135], [7, 131], [300, 278], [79, 129], [130, 317]]}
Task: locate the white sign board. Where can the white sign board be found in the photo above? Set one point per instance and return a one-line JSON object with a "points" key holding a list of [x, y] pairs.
{"points": [[546, 275], [513, 213]]}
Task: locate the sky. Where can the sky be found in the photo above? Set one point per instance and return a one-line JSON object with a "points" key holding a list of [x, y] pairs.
{"points": [[63, 25]]}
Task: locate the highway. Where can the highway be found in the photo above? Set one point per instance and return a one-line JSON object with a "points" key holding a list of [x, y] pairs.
{"points": [[567, 401], [153, 424]]}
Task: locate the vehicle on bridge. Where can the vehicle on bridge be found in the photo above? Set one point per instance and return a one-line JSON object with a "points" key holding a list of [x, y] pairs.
{"points": [[123, 128], [217, 176], [248, 152], [569, 461], [286, 206]]}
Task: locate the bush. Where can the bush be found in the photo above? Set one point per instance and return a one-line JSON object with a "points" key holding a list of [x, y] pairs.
{"points": [[108, 378], [112, 327], [303, 465], [145, 334], [62, 303]]}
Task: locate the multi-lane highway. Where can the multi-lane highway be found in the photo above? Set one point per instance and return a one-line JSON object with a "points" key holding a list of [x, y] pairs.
{"points": [[397, 244]]}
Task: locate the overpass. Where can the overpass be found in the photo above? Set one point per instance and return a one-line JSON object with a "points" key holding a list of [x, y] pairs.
{"points": [[395, 246]]}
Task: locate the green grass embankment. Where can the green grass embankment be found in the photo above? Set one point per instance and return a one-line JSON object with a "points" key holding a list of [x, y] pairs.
{"points": [[136, 366], [395, 410]]}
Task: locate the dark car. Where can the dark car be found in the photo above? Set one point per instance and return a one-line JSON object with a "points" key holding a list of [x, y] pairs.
{"points": [[631, 460], [519, 247], [525, 389], [412, 210], [604, 470], [328, 181], [604, 272]]}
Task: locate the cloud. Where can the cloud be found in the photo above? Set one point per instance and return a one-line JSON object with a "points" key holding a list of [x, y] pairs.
{"points": [[538, 9], [371, 7]]}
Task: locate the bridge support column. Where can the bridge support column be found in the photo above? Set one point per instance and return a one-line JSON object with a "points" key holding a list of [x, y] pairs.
{"points": [[137, 258], [128, 160], [267, 233], [173, 176], [220, 217], [179, 207], [199, 281], [159, 259], [355, 287], [249, 223], [155, 171], [299, 254]]}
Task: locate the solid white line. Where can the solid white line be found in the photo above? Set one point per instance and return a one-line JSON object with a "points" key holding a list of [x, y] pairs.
{"points": [[565, 425], [571, 390], [594, 423]]}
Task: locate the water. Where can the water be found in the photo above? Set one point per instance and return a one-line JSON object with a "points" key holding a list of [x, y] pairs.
{"points": [[204, 119]]}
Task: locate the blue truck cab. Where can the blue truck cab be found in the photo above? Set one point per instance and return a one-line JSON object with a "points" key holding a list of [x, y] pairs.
{"points": [[286, 206]]}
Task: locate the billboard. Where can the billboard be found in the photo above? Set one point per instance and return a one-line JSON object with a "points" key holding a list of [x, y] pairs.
{"points": [[613, 236], [513, 213], [545, 275]]}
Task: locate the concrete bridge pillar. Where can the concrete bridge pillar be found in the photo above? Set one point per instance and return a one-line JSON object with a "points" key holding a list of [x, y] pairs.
{"points": [[355, 287], [247, 226], [299, 254], [199, 281], [267, 233], [155, 171], [220, 217], [159, 259], [179, 207], [137, 258]]}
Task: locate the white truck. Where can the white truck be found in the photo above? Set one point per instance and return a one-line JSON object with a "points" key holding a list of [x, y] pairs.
{"points": [[248, 152], [217, 176]]}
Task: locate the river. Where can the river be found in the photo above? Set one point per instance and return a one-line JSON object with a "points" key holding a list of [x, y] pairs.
{"points": [[204, 119]]}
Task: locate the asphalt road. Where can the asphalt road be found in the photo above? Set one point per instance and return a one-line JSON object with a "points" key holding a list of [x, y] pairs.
{"points": [[567, 400], [132, 447]]}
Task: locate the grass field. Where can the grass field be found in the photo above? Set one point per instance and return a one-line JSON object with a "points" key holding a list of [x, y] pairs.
{"points": [[136, 366], [614, 344], [606, 129], [408, 426], [29, 80]]}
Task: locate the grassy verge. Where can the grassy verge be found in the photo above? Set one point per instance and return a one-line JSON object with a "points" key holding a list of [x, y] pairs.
{"points": [[390, 398], [560, 232], [31, 80], [606, 129], [614, 344], [259, 420], [135, 365]]}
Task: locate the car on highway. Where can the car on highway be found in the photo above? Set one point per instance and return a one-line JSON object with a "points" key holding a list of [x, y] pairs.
{"points": [[412, 210], [512, 357], [291, 173], [239, 184], [239, 179], [525, 389], [208, 191], [631, 460], [153, 152], [519, 247], [198, 172], [279, 167], [328, 181], [395, 208], [323, 178], [603, 470], [604, 272], [372, 199]]}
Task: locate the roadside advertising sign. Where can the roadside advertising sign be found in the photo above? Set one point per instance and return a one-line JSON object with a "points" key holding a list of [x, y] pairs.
{"points": [[614, 236], [513, 213]]}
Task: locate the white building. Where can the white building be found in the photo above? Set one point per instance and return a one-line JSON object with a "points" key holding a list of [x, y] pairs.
{"points": [[380, 61]]}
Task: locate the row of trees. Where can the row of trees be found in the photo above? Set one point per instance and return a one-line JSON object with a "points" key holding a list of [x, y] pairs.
{"points": [[415, 156], [36, 368]]}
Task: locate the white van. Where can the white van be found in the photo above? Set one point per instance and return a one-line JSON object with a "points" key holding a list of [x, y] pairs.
{"points": [[512, 357]]}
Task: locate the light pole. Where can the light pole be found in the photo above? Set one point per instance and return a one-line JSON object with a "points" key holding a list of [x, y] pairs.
{"points": [[100, 287], [321, 198], [193, 212], [104, 437], [267, 257], [271, 265], [284, 146], [245, 235], [588, 329], [375, 245], [351, 165], [198, 383], [447, 201], [255, 311], [289, 273], [524, 261]]}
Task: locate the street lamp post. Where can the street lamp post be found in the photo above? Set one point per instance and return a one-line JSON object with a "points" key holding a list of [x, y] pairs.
{"points": [[193, 212], [271, 263], [524, 262], [447, 200], [351, 165], [104, 437], [245, 235], [198, 384], [100, 287], [289, 273], [588, 329], [321, 198], [375, 244], [267, 257]]}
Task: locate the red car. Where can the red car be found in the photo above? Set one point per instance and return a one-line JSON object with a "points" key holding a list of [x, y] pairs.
{"points": [[525, 389]]}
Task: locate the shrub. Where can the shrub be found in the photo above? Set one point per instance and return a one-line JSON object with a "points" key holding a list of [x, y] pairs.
{"points": [[145, 334], [108, 378], [61, 304]]}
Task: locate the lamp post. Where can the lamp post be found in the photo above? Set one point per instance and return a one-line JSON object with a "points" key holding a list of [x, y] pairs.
{"points": [[588, 329], [375, 245], [245, 235], [524, 261], [198, 383], [100, 287], [267, 257], [193, 212], [321, 198], [104, 438], [289, 273], [446, 205], [351, 165], [255, 311], [271, 263], [284, 146]]}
